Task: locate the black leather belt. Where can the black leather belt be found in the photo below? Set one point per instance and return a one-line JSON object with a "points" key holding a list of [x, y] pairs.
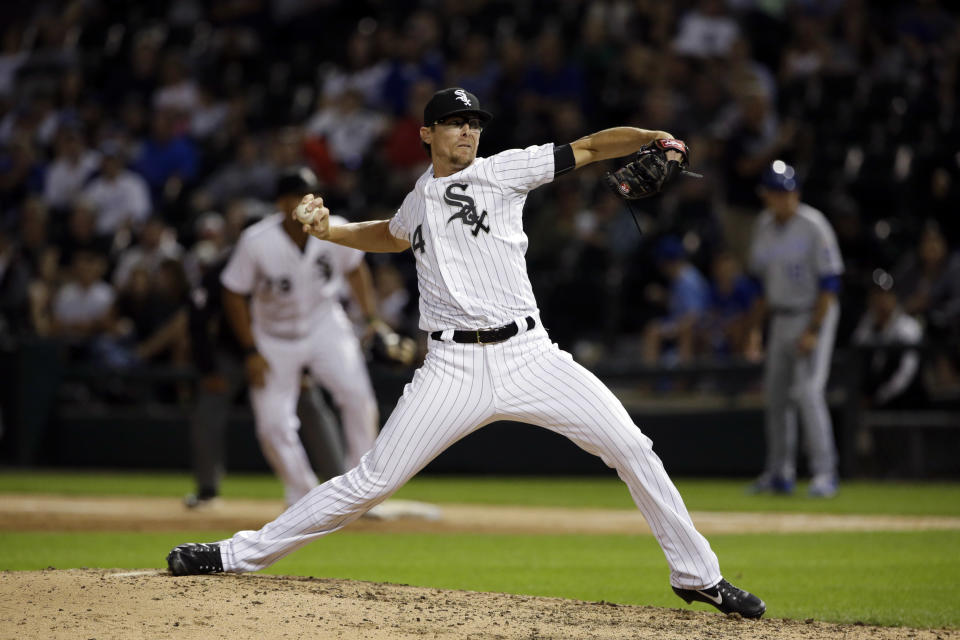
{"points": [[487, 336]]}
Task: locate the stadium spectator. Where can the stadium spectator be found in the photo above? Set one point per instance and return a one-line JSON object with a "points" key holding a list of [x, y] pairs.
{"points": [[34, 232], [707, 31], [724, 327], [156, 243], [924, 271], [871, 88], [892, 377], [119, 197], [83, 305], [475, 68], [168, 158], [164, 336], [670, 339], [21, 172], [247, 174], [72, 166], [81, 234], [752, 137], [363, 72], [210, 244], [348, 127]]}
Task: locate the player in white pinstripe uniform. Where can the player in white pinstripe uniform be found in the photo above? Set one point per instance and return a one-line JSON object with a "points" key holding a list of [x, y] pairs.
{"points": [[490, 357], [295, 321]]}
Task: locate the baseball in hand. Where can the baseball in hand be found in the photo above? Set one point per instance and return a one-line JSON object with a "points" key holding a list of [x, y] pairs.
{"points": [[303, 214]]}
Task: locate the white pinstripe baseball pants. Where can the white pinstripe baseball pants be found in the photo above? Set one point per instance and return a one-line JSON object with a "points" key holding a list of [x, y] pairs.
{"points": [[460, 388]]}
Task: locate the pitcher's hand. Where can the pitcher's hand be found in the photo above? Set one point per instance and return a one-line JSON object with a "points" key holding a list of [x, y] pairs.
{"points": [[314, 216]]}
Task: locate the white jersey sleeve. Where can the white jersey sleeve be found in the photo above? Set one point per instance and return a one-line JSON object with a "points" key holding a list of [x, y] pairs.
{"points": [[400, 222], [240, 274], [524, 170]]}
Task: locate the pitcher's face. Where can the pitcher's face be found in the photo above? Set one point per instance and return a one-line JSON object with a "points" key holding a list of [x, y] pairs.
{"points": [[454, 139]]}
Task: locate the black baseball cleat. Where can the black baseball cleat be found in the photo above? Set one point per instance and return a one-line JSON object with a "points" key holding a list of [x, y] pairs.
{"points": [[727, 598], [195, 558]]}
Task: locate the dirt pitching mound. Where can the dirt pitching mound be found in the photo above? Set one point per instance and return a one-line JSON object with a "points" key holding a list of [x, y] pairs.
{"points": [[121, 605]]}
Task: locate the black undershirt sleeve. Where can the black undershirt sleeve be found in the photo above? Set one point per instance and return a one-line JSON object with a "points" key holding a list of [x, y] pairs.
{"points": [[563, 160]]}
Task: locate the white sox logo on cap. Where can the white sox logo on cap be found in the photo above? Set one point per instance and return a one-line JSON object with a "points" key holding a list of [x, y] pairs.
{"points": [[462, 95]]}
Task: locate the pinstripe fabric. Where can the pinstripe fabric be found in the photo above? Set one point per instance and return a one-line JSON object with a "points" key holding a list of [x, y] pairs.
{"points": [[472, 281], [298, 323], [461, 388], [466, 233]]}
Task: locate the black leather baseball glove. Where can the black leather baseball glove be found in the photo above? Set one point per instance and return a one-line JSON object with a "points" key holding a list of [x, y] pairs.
{"points": [[649, 171]]}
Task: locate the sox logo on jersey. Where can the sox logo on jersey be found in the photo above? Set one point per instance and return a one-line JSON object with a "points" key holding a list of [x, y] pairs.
{"points": [[468, 209]]}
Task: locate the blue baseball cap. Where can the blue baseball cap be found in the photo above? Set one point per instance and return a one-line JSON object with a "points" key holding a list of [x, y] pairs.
{"points": [[780, 176]]}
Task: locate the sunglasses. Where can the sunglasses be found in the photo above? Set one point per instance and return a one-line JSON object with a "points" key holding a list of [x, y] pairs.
{"points": [[457, 123]]}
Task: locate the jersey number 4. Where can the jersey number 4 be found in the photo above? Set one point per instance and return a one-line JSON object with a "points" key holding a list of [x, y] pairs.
{"points": [[416, 242]]}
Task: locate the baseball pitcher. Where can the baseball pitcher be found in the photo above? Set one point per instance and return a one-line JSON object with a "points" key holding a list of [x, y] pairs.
{"points": [[490, 357]]}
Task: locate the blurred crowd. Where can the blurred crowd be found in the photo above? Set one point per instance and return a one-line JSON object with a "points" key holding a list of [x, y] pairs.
{"points": [[137, 139]]}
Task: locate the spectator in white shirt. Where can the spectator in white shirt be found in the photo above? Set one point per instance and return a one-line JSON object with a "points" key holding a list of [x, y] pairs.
{"points": [[706, 32], [70, 170], [891, 374], [120, 196], [348, 127], [155, 244], [83, 307]]}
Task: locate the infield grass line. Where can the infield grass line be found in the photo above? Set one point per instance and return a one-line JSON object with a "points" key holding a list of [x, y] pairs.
{"points": [[859, 497]]}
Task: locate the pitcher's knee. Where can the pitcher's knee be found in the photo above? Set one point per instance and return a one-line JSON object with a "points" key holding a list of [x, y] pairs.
{"points": [[370, 485], [636, 447]]}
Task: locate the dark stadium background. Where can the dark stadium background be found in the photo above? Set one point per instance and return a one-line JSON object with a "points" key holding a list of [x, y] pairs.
{"points": [[204, 102]]}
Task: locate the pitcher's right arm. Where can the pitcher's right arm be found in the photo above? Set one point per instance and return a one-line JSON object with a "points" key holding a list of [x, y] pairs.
{"points": [[373, 236]]}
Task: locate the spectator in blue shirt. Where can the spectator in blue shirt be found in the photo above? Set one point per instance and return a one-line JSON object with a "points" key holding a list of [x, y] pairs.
{"points": [[723, 329], [167, 160], [688, 298]]}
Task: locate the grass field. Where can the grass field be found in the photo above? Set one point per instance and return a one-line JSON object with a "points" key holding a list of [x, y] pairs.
{"points": [[589, 491], [890, 578]]}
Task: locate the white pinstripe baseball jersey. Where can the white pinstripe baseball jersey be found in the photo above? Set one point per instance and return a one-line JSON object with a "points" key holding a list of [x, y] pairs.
{"points": [[466, 233], [292, 289]]}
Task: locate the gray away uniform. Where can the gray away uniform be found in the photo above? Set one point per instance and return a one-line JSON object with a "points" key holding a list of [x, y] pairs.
{"points": [[791, 259]]}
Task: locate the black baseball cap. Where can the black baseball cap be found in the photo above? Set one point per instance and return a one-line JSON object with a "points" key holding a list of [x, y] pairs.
{"points": [[453, 101], [297, 181]]}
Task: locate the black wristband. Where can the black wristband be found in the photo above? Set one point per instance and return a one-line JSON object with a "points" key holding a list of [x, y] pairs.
{"points": [[249, 351], [563, 160]]}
